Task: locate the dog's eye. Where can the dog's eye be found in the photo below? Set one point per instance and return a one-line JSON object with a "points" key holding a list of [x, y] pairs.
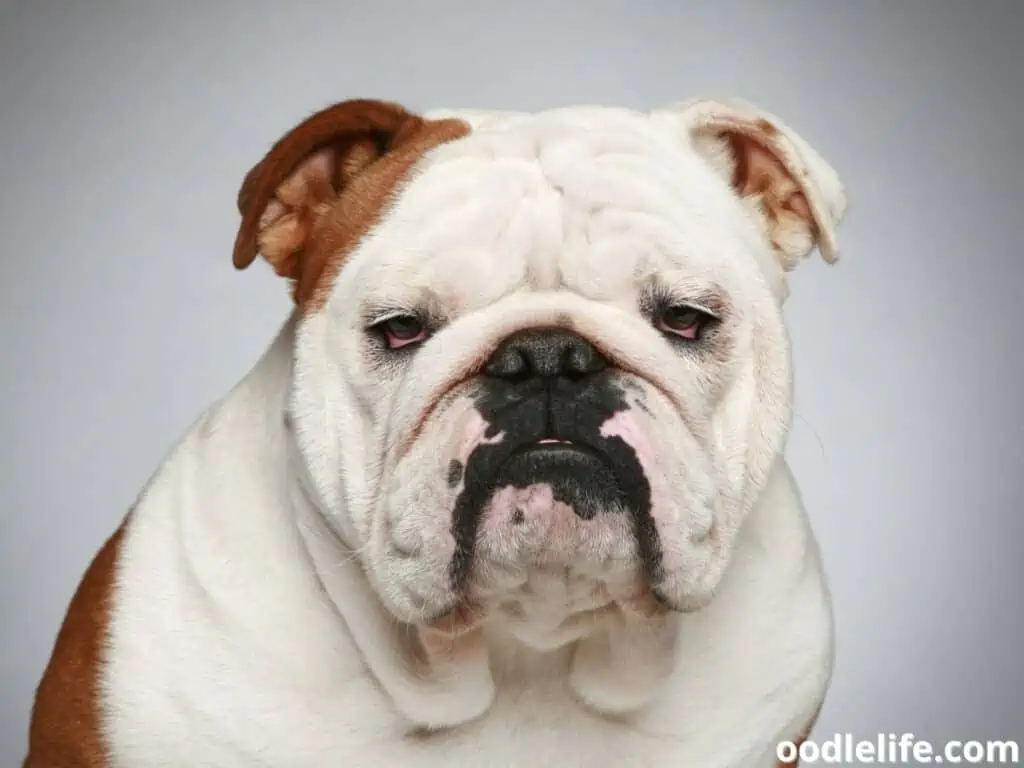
{"points": [[402, 331], [684, 321]]}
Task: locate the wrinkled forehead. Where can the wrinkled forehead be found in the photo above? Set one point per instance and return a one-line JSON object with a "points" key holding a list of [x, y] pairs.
{"points": [[591, 200]]}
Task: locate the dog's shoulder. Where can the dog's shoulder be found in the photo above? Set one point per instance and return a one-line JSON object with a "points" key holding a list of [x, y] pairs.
{"points": [[66, 723]]}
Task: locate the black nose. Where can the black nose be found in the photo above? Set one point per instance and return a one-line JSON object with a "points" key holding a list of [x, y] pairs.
{"points": [[544, 353]]}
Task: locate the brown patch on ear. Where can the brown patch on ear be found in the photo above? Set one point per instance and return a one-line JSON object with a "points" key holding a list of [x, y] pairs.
{"points": [[334, 129], [360, 206], [760, 175], [323, 185], [66, 727], [795, 195]]}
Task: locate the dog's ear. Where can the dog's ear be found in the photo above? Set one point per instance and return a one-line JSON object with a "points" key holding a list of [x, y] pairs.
{"points": [[333, 152], [797, 196]]}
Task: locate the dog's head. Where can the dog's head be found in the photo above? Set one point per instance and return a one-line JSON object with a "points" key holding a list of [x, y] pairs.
{"points": [[541, 366]]}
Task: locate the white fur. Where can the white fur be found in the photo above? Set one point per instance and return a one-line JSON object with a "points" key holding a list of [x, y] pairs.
{"points": [[277, 568]]}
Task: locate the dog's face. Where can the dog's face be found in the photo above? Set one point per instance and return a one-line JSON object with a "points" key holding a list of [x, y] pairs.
{"points": [[541, 367]]}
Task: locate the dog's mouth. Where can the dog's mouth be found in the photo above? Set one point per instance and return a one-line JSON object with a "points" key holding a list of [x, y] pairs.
{"points": [[579, 475], [549, 441]]}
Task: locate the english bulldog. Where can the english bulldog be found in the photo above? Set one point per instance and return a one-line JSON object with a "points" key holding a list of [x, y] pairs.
{"points": [[507, 489]]}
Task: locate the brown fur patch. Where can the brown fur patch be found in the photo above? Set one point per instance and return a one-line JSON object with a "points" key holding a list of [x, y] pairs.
{"points": [[66, 726], [323, 186], [360, 207], [759, 173]]}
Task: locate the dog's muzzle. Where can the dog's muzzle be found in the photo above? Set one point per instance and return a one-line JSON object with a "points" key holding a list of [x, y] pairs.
{"points": [[542, 384], [546, 393]]}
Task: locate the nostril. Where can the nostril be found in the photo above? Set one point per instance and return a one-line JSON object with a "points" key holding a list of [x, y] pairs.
{"points": [[581, 360], [508, 363]]}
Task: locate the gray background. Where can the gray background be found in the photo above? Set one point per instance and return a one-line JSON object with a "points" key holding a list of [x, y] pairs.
{"points": [[125, 130]]}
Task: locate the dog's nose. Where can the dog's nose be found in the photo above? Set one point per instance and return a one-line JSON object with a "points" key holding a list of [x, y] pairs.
{"points": [[544, 353]]}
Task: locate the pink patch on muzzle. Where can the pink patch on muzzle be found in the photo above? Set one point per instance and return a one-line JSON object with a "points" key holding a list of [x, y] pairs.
{"points": [[624, 425], [474, 434]]}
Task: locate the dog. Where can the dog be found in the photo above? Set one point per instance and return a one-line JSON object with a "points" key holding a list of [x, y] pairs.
{"points": [[508, 488]]}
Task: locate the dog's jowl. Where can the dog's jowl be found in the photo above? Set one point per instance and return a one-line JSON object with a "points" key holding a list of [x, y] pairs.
{"points": [[507, 488]]}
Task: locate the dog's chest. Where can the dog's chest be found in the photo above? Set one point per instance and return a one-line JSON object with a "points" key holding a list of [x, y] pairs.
{"points": [[541, 725], [535, 721], [533, 731]]}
